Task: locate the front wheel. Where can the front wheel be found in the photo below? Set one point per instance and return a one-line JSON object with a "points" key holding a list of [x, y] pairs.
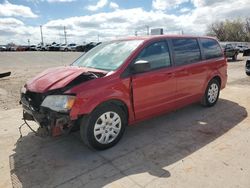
{"points": [[211, 94], [104, 127]]}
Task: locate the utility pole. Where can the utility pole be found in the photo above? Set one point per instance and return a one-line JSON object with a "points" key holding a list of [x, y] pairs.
{"points": [[65, 35], [29, 42], [41, 29], [147, 29], [136, 33]]}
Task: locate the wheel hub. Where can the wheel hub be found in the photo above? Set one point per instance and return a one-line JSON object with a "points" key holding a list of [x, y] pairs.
{"points": [[107, 127], [213, 92]]}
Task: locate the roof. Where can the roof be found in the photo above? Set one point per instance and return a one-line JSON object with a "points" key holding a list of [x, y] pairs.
{"points": [[152, 37]]}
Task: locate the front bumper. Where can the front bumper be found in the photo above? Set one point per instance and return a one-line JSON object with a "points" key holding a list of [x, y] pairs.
{"points": [[50, 122]]}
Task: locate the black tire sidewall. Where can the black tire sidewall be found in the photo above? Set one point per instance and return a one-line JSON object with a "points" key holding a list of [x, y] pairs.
{"points": [[207, 103], [87, 128], [235, 57]]}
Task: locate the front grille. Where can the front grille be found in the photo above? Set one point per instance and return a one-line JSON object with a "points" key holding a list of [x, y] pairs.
{"points": [[34, 99]]}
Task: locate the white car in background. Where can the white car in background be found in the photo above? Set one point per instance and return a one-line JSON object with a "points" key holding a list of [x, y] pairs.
{"points": [[69, 47]]}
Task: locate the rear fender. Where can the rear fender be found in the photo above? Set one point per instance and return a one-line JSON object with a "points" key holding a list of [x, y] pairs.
{"points": [[209, 78]]}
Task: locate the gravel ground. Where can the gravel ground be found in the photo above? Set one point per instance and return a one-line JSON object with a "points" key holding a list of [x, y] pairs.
{"points": [[24, 66]]}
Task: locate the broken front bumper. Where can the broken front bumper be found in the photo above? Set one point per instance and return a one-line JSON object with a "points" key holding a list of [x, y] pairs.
{"points": [[51, 123]]}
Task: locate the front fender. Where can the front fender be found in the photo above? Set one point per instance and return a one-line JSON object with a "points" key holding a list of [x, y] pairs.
{"points": [[87, 101]]}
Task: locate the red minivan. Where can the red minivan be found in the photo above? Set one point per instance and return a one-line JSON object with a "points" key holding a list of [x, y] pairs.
{"points": [[122, 82]]}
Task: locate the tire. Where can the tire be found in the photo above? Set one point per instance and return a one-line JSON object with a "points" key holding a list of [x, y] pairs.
{"points": [[235, 57], [66, 49], [97, 131], [211, 94], [248, 73]]}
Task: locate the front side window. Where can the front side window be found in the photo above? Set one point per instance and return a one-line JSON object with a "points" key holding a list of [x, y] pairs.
{"points": [[157, 54], [186, 51], [211, 48], [108, 56]]}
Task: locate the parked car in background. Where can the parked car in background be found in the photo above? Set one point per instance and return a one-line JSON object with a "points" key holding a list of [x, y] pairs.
{"points": [[248, 67], [41, 47], [22, 48], [12, 48], [62, 47], [54, 47], [80, 48], [3, 48], [91, 45], [70, 47], [230, 51], [32, 48], [246, 52], [123, 82], [242, 48], [86, 47]]}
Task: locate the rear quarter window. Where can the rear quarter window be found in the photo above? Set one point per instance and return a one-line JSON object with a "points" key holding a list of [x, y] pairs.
{"points": [[211, 48]]}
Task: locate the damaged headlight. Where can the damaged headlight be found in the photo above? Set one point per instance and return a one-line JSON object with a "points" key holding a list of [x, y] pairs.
{"points": [[59, 103]]}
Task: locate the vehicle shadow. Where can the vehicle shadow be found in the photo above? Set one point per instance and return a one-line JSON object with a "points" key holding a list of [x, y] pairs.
{"points": [[148, 147]]}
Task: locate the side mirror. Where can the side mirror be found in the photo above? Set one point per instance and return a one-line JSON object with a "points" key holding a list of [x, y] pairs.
{"points": [[141, 66]]}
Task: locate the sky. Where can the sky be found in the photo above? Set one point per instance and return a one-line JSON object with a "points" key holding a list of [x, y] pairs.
{"points": [[93, 20]]}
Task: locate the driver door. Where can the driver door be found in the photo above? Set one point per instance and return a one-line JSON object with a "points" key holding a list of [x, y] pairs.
{"points": [[154, 90]]}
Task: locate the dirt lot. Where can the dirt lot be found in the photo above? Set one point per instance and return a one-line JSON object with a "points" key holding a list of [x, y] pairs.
{"points": [[192, 147], [23, 66]]}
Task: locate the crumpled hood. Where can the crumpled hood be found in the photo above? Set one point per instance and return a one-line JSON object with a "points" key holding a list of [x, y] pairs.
{"points": [[54, 78]]}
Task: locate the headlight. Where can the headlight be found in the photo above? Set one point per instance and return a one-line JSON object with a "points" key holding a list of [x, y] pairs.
{"points": [[59, 103]]}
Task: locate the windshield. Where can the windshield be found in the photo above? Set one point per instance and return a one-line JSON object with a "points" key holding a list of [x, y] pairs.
{"points": [[108, 56]]}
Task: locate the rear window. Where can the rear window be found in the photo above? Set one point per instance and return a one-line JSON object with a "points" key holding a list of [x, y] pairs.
{"points": [[211, 48], [186, 51]]}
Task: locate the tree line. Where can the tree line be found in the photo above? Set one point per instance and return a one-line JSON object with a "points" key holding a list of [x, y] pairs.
{"points": [[230, 30]]}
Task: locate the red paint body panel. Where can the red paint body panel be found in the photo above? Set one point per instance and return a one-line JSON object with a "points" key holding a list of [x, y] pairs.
{"points": [[55, 78], [154, 92], [145, 95], [108, 88]]}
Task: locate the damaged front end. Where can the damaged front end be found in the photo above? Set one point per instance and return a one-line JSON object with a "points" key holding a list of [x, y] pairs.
{"points": [[51, 109]]}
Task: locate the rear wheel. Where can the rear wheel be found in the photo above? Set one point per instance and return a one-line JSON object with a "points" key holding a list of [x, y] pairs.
{"points": [[211, 94], [234, 57], [104, 127]]}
